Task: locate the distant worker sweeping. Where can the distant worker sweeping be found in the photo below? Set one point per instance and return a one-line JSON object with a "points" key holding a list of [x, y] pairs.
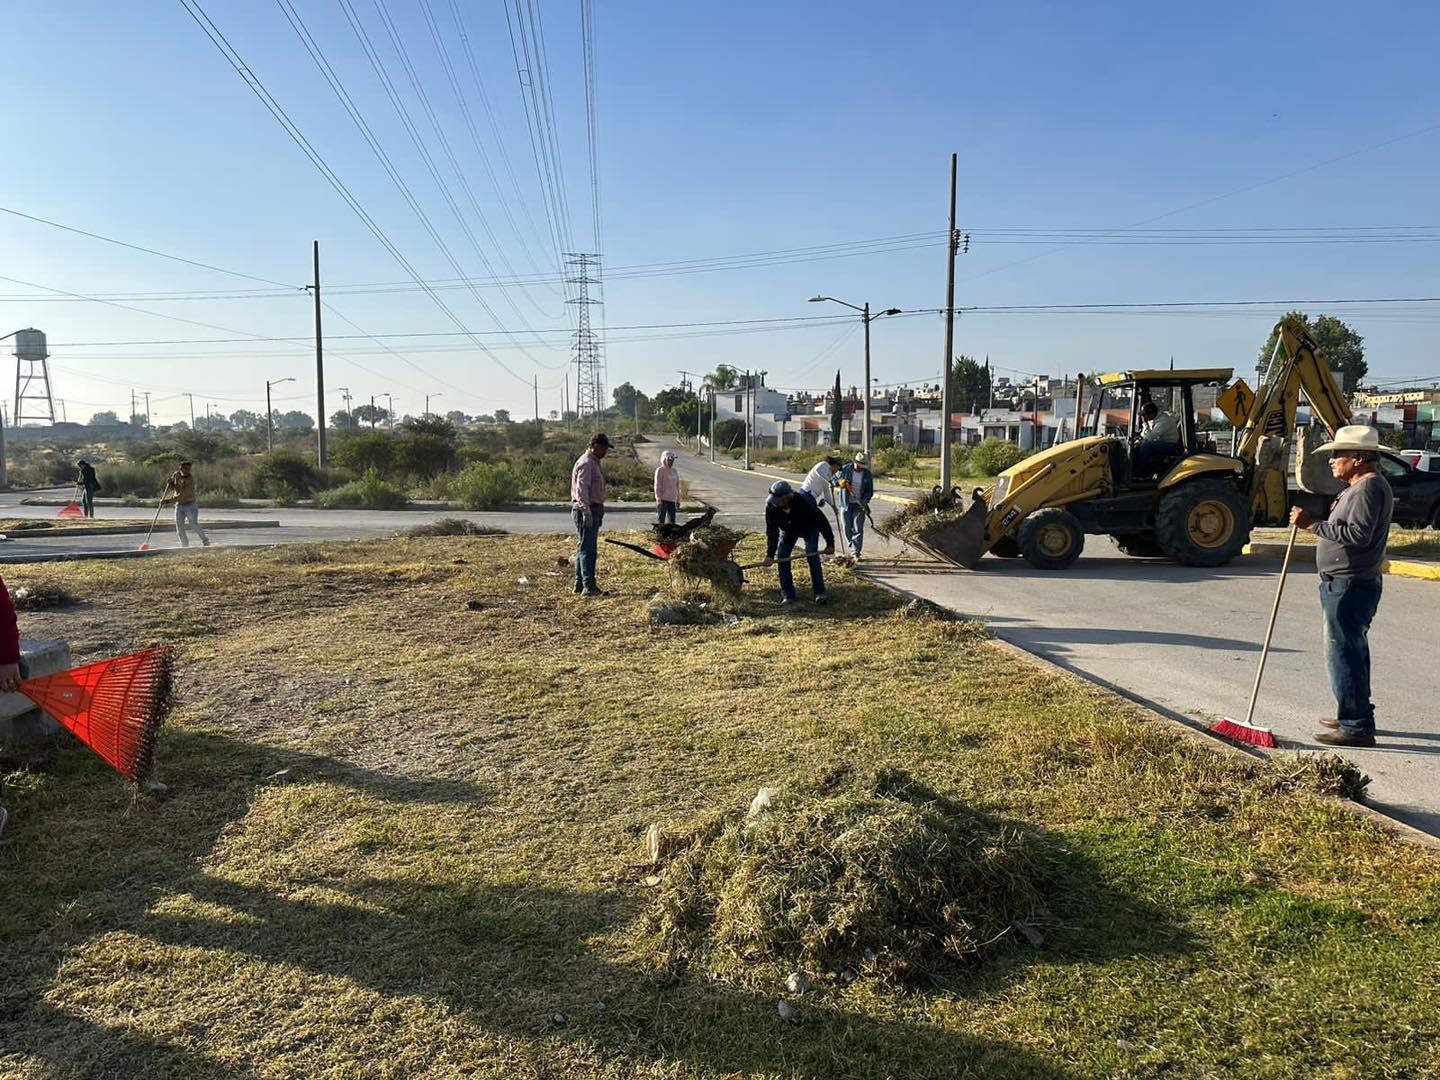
{"points": [[1350, 556], [667, 490], [181, 487], [89, 485], [587, 509], [791, 517]]}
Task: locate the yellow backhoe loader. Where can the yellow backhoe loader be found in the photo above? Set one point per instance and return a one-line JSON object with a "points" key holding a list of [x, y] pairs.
{"points": [[1172, 497]]}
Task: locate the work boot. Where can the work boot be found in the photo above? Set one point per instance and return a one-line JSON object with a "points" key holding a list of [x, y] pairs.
{"points": [[1345, 738], [822, 598], [786, 600], [1331, 722], [595, 590]]}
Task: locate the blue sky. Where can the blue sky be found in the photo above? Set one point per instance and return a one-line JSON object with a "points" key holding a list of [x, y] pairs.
{"points": [[722, 130]]}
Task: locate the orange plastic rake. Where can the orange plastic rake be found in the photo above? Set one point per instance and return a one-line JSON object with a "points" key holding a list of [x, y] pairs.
{"points": [[115, 707], [72, 508]]}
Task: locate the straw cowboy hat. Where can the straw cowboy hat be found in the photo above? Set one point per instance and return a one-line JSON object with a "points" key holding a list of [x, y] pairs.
{"points": [[1354, 437]]}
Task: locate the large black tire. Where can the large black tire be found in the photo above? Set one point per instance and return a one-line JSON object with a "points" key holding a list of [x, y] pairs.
{"points": [[1007, 547], [1051, 539], [1139, 545], [1203, 522]]}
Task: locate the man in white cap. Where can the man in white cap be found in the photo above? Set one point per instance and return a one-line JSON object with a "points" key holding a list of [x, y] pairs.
{"points": [[1350, 554], [820, 481], [857, 488]]}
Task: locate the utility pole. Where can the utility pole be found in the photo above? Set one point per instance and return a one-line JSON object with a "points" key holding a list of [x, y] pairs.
{"points": [[390, 408], [345, 397], [319, 364], [192, 410], [749, 411], [147, 410], [945, 388], [269, 413], [535, 383], [565, 401], [132, 406], [427, 402], [712, 424]]}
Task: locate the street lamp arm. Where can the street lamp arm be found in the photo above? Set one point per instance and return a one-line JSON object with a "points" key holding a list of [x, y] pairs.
{"points": [[833, 300]]}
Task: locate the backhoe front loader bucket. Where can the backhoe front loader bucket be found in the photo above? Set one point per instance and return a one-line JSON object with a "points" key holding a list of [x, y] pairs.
{"points": [[957, 540]]}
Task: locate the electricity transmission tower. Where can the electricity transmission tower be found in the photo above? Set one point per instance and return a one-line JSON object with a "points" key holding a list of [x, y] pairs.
{"points": [[589, 365]]}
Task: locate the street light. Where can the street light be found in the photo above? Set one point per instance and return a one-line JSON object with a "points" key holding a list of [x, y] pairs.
{"points": [[427, 402], [866, 318], [269, 414]]}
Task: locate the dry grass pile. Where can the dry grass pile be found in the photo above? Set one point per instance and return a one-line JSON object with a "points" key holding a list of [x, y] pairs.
{"points": [[853, 872], [1323, 774], [697, 561], [718, 536], [452, 527], [41, 595], [933, 507]]}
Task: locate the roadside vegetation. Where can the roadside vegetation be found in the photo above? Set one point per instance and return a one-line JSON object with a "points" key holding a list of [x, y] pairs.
{"points": [[901, 465], [431, 814], [1403, 543], [471, 468]]}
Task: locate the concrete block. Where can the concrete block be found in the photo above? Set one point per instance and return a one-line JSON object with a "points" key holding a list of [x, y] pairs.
{"points": [[22, 725]]}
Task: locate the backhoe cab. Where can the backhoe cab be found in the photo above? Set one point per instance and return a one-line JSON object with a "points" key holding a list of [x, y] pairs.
{"points": [[1172, 498]]}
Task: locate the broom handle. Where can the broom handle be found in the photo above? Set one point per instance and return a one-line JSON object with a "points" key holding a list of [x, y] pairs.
{"points": [[158, 507], [1274, 611]]}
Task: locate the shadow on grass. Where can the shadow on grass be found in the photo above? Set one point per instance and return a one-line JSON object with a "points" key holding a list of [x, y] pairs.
{"points": [[507, 959]]}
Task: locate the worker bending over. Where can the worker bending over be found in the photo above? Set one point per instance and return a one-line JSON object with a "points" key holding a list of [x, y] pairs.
{"points": [[1159, 438], [820, 481], [791, 517]]}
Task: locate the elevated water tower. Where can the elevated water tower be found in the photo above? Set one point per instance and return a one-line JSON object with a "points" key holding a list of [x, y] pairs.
{"points": [[34, 399]]}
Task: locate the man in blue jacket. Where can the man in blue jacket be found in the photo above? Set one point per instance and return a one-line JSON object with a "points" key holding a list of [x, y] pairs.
{"points": [[790, 517], [857, 487]]}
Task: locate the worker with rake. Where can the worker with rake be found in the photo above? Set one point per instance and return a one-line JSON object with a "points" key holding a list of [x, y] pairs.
{"points": [[1350, 555], [792, 517], [89, 484], [857, 487]]}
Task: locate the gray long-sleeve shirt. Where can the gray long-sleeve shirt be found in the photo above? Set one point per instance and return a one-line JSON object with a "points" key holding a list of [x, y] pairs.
{"points": [[1352, 539]]}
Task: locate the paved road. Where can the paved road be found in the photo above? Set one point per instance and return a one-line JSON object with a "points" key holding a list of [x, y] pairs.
{"points": [[1184, 641], [296, 525]]}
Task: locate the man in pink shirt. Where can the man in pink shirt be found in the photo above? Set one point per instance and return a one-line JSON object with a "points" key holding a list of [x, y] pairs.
{"points": [[667, 489], [587, 510]]}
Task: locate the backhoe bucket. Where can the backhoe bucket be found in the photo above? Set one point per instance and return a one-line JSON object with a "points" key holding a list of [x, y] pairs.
{"points": [[958, 540]]}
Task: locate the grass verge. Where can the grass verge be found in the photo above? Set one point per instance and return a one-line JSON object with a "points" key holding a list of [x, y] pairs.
{"points": [[1402, 544], [20, 526], [411, 785]]}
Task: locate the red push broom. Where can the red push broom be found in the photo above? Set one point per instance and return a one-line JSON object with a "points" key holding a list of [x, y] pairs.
{"points": [[115, 707], [72, 508], [1245, 730]]}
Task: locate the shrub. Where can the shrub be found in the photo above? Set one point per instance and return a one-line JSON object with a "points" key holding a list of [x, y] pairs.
{"points": [[370, 491], [994, 456], [882, 442], [422, 455], [362, 453], [481, 486], [893, 459], [525, 436], [285, 472], [729, 434], [201, 445], [165, 459]]}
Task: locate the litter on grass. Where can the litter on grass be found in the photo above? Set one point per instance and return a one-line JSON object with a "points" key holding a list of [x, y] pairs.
{"points": [[1323, 774], [851, 871], [43, 594]]}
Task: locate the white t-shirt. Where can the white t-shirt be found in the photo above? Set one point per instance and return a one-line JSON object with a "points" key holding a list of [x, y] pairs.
{"points": [[1163, 429], [817, 483]]}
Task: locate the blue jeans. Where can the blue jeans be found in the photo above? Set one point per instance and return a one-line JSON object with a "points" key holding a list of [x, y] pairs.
{"points": [[812, 555], [854, 518], [588, 542], [665, 511], [189, 512], [1348, 605]]}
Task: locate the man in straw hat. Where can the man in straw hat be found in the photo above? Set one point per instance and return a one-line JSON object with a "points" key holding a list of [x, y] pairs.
{"points": [[1350, 554], [857, 488]]}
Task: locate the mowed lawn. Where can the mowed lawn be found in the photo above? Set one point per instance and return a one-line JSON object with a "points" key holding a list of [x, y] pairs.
{"points": [[405, 833]]}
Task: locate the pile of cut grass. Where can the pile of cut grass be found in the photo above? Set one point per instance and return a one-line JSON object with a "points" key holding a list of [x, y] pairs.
{"points": [[452, 527], [921, 513], [845, 873], [40, 595], [697, 561]]}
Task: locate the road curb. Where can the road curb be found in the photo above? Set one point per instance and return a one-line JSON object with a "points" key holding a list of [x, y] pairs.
{"points": [[125, 530], [1195, 730], [1305, 553]]}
